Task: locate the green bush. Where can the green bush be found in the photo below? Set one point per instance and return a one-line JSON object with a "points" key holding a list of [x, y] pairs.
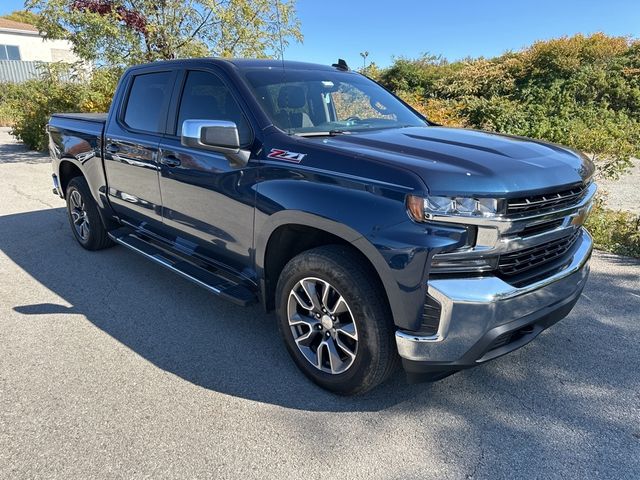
{"points": [[614, 231], [39, 101], [61, 88], [8, 94], [581, 91]]}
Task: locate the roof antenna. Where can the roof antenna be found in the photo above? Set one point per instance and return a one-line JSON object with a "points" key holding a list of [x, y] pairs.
{"points": [[341, 65]]}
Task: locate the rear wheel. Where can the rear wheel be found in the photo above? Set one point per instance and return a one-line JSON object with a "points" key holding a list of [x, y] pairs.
{"points": [[84, 218], [334, 320]]}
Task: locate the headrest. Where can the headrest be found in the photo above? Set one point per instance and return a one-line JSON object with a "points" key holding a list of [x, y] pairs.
{"points": [[291, 96]]}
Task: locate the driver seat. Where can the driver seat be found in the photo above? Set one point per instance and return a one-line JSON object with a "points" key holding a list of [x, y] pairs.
{"points": [[292, 97]]}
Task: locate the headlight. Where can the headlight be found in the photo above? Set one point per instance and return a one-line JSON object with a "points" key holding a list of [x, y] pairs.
{"points": [[424, 208]]}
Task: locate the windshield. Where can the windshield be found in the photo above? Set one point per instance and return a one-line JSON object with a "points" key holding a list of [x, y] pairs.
{"points": [[321, 102]]}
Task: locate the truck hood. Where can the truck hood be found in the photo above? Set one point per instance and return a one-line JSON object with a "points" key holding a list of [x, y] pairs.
{"points": [[454, 161]]}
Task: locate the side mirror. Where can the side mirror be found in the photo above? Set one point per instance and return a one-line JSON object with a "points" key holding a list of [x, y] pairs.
{"points": [[215, 135]]}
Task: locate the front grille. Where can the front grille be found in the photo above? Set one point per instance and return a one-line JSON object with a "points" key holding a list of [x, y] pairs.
{"points": [[547, 201], [513, 264], [541, 228]]}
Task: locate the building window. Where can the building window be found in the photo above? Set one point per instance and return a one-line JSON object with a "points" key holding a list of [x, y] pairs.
{"points": [[9, 52]]}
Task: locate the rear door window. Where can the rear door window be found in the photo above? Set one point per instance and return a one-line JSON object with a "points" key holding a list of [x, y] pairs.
{"points": [[147, 102]]}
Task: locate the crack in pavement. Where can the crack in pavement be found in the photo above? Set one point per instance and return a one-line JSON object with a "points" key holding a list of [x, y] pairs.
{"points": [[477, 465], [30, 197]]}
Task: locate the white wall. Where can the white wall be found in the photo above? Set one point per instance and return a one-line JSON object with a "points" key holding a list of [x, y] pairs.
{"points": [[34, 48]]}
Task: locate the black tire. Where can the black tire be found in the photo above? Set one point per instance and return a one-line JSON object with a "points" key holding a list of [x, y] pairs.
{"points": [[375, 356], [83, 208]]}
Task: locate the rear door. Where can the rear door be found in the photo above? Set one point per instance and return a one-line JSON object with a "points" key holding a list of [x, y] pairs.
{"points": [[207, 202], [131, 146]]}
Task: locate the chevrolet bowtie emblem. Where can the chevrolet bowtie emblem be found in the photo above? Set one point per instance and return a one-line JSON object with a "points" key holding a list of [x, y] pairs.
{"points": [[579, 218]]}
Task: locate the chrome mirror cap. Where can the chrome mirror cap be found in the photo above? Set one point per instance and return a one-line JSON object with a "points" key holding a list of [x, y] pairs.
{"points": [[215, 135]]}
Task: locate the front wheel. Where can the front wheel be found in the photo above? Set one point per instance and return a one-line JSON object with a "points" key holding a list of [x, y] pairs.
{"points": [[334, 320]]}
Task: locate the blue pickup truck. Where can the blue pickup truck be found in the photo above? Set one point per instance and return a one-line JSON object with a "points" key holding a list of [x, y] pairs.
{"points": [[378, 237]]}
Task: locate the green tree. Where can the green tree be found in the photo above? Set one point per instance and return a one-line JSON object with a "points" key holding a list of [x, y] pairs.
{"points": [[125, 32], [23, 16], [372, 71]]}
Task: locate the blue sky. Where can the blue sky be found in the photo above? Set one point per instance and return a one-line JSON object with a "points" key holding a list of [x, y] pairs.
{"points": [[454, 28]]}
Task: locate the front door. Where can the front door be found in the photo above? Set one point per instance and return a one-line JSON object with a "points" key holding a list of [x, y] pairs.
{"points": [[208, 203]]}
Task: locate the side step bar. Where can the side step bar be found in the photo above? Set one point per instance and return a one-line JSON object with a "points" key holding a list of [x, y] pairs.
{"points": [[223, 286]]}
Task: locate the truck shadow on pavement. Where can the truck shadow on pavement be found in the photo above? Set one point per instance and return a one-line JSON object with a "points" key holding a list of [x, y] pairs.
{"points": [[170, 322], [204, 340]]}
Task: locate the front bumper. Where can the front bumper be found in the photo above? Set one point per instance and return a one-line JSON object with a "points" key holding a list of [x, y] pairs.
{"points": [[483, 318]]}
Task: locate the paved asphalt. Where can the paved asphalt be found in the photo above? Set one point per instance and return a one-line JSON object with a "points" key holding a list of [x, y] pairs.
{"points": [[111, 367]]}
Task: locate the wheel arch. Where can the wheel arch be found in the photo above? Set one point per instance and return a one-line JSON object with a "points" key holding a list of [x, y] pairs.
{"points": [[67, 170], [294, 232]]}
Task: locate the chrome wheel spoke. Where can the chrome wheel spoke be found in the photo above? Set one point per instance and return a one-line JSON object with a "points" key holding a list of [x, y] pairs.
{"points": [[298, 319], [335, 362], [300, 301], [76, 200], [320, 354], [339, 307], [304, 329], [310, 288], [309, 354], [344, 348], [306, 338], [325, 294], [349, 330], [84, 230]]}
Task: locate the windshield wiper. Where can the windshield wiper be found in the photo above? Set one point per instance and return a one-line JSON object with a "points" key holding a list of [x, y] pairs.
{"points": [[330, 133]]}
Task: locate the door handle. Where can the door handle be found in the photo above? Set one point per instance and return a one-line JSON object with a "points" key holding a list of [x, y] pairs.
{"points": [[112, 148], [170, 161]]}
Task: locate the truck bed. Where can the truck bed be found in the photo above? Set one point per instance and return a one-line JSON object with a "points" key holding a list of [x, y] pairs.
{"points": [[88, 117], [88, 127]]}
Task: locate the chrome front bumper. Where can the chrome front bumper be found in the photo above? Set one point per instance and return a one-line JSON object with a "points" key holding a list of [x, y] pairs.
{"points": [[478, 310]]}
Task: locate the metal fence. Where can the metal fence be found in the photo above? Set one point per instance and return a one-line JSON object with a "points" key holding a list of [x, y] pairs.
{"points": [[16, 71]]}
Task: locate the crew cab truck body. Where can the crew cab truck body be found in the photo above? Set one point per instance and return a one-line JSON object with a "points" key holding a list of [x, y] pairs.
{"points": [[375, 234]]}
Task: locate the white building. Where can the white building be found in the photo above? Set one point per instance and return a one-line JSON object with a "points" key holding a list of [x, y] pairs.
{"points": [[20, 41]]}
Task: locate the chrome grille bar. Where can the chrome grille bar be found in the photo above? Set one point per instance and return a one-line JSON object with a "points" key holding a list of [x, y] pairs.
{"points": [[523, 260], [545, 201]]}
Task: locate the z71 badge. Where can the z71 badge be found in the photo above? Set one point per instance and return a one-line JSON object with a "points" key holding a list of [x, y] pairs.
{"points": [[286, 155]]}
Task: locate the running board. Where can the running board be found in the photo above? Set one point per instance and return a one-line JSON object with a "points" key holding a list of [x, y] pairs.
{"points": [[220, 285]]}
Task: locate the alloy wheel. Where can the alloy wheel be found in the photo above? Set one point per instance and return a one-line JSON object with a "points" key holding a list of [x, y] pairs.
{"points": [[79, 215], [322, 325]]}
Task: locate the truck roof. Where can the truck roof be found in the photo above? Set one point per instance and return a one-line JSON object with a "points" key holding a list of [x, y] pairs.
{"points": [[247, 63]]}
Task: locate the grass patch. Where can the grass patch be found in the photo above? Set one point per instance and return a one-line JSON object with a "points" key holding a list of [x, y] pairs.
{"points": [[614, 231]]}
